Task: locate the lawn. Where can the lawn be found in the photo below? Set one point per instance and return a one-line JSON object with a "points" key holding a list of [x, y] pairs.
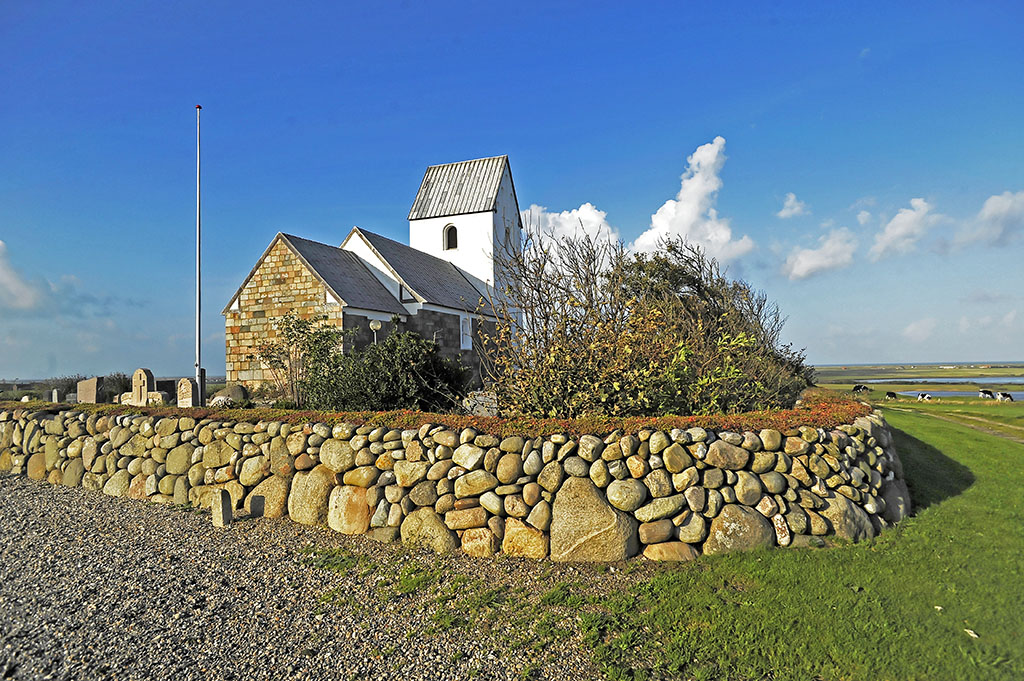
{"points": [[936, 598]]}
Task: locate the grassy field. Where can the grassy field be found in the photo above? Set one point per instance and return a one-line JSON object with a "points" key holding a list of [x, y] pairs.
{"points": [[858, 373], [936, 598]]}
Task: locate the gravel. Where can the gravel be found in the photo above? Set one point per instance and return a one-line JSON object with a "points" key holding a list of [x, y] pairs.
{"points": [[94, 586]]}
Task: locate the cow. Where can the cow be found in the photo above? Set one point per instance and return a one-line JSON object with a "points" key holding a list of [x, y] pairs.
{"points": [[924, 397], [861, 388], [890, 396], [985, 394], [1004, 397]]}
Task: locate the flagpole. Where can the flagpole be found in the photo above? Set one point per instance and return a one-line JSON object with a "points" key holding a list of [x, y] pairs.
{"points": [[200, 379]]}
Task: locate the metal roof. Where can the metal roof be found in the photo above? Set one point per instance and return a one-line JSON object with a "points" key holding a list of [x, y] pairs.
{"points": [[458, 188], [435, 280], [346, 275]]}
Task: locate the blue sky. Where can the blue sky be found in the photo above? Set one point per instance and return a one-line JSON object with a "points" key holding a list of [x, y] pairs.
{"points": [[895, 126]]}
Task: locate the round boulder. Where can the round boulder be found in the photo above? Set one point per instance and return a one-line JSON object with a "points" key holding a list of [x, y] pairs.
{"points": [[738, 528]]}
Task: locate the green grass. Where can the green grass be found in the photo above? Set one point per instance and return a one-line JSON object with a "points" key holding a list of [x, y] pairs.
{"points": [[897, 607]]}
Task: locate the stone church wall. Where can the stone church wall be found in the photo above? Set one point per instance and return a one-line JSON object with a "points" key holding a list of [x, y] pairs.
{"points": [[280, 285], [670, 495]]}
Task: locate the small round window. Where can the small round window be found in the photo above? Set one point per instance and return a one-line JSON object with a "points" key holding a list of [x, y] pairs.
{"points": [[451, 238]]}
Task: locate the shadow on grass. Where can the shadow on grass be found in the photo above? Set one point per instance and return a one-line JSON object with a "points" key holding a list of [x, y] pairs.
{"points": [[931, 475]]}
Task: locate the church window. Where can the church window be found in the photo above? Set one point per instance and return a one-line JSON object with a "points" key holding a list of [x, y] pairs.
{"points": [[451, 238], [467, 334]]}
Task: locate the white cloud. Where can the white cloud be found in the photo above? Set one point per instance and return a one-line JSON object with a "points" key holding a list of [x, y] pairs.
{"points": [[15, 292], [1009, 318], [903, 232], [792, 207], [920, 330], [835, 250], [863, 217], [1000, 219], [865, 52], [692, 214], [585, 220]]}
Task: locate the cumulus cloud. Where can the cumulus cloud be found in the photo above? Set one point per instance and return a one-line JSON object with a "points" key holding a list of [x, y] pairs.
{"points": [[692, 214], [16, 293], [1000, 219], [585, 220], [792, 207], [835, 250], [902, 233], [863, 217], [919, 331]]}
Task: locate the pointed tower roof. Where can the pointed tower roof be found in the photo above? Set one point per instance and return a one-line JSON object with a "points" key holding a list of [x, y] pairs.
{"points": [[459, 188]]}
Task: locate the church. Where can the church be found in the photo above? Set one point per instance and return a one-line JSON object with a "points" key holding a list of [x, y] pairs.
{"points": [[438, 285]]}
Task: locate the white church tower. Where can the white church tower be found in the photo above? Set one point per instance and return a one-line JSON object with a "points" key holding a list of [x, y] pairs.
{"points": [[465, 213]]}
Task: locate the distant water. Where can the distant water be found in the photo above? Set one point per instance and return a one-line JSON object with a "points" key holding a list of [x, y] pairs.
{"points": [[978, 379]]}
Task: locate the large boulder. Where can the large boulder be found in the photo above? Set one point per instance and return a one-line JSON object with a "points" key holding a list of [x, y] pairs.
{"points": [[73, 473], [348, 511], [337, 455], [37, 466], [274, 491], [721, 454], [584, 527], [117, 485], [738, 528], [424, 528], [627, 495], [671, 551], [849, 521], [179, 459], [307, 502], [897, 500]]}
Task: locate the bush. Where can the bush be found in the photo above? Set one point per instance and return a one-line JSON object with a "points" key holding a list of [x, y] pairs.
{"points": [[586, 328], [404, 371], [116, 384]]}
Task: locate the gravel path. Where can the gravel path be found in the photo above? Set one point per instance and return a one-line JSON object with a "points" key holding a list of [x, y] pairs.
{"points": [[97, 587]]}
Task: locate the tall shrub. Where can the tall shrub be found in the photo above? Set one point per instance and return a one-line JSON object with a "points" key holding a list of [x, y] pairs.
{"points": [[587, 328]]}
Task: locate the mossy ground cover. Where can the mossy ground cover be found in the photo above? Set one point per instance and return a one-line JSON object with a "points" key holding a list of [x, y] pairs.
{"points": [[937, 597]]}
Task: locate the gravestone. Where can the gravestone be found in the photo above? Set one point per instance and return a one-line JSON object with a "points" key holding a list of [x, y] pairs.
{"points": [[220, 507], [89, 390], [55, 395], [188, 393], [142, 384]]}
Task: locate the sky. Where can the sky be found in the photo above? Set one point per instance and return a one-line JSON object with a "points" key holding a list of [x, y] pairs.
{"points": [[863, 165]]}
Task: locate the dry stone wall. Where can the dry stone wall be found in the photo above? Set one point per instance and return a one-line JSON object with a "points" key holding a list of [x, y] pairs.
{"points": [[668, 495]]}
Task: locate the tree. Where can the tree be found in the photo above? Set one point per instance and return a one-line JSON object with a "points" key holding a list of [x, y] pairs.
{"points": [[301, 346], [587, 328]]}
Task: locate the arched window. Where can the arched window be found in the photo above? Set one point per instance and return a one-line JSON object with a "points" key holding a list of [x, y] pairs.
{"points": [[451, 238]]}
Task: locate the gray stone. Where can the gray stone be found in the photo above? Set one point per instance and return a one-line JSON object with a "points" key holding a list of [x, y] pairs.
{"points": [[585, 528], [474, 484], [659, 482], [693, 528], [656, 532], [896, 497], [661, 508], [747, 488], [337, 455], [540, 516], [117, 485], [848, 520], [310, 491], [599, 474], [738, 528], [576, 466], [533, 463], [492, 503], [424, 528], [627, 495], [221, 508], [721, 454], [550, 477], [468, 456]]}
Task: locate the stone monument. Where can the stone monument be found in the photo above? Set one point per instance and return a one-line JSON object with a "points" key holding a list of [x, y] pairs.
{"points": [[89, 390], [188, 393]]}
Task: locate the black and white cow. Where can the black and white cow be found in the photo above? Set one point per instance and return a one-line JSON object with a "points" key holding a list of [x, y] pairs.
{"points": [[985, 394], [1004, 397], [890, 396], [861, 388], [924, 397]]}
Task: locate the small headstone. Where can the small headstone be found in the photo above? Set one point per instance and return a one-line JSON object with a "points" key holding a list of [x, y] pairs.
{"points": [[256, 505], [89, 390], [220, 506], [142, 383], [71, 398], [55, 395], [188, 393]]}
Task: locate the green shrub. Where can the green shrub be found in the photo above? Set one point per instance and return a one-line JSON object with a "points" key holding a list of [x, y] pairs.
{"points": [[586, 328]]}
